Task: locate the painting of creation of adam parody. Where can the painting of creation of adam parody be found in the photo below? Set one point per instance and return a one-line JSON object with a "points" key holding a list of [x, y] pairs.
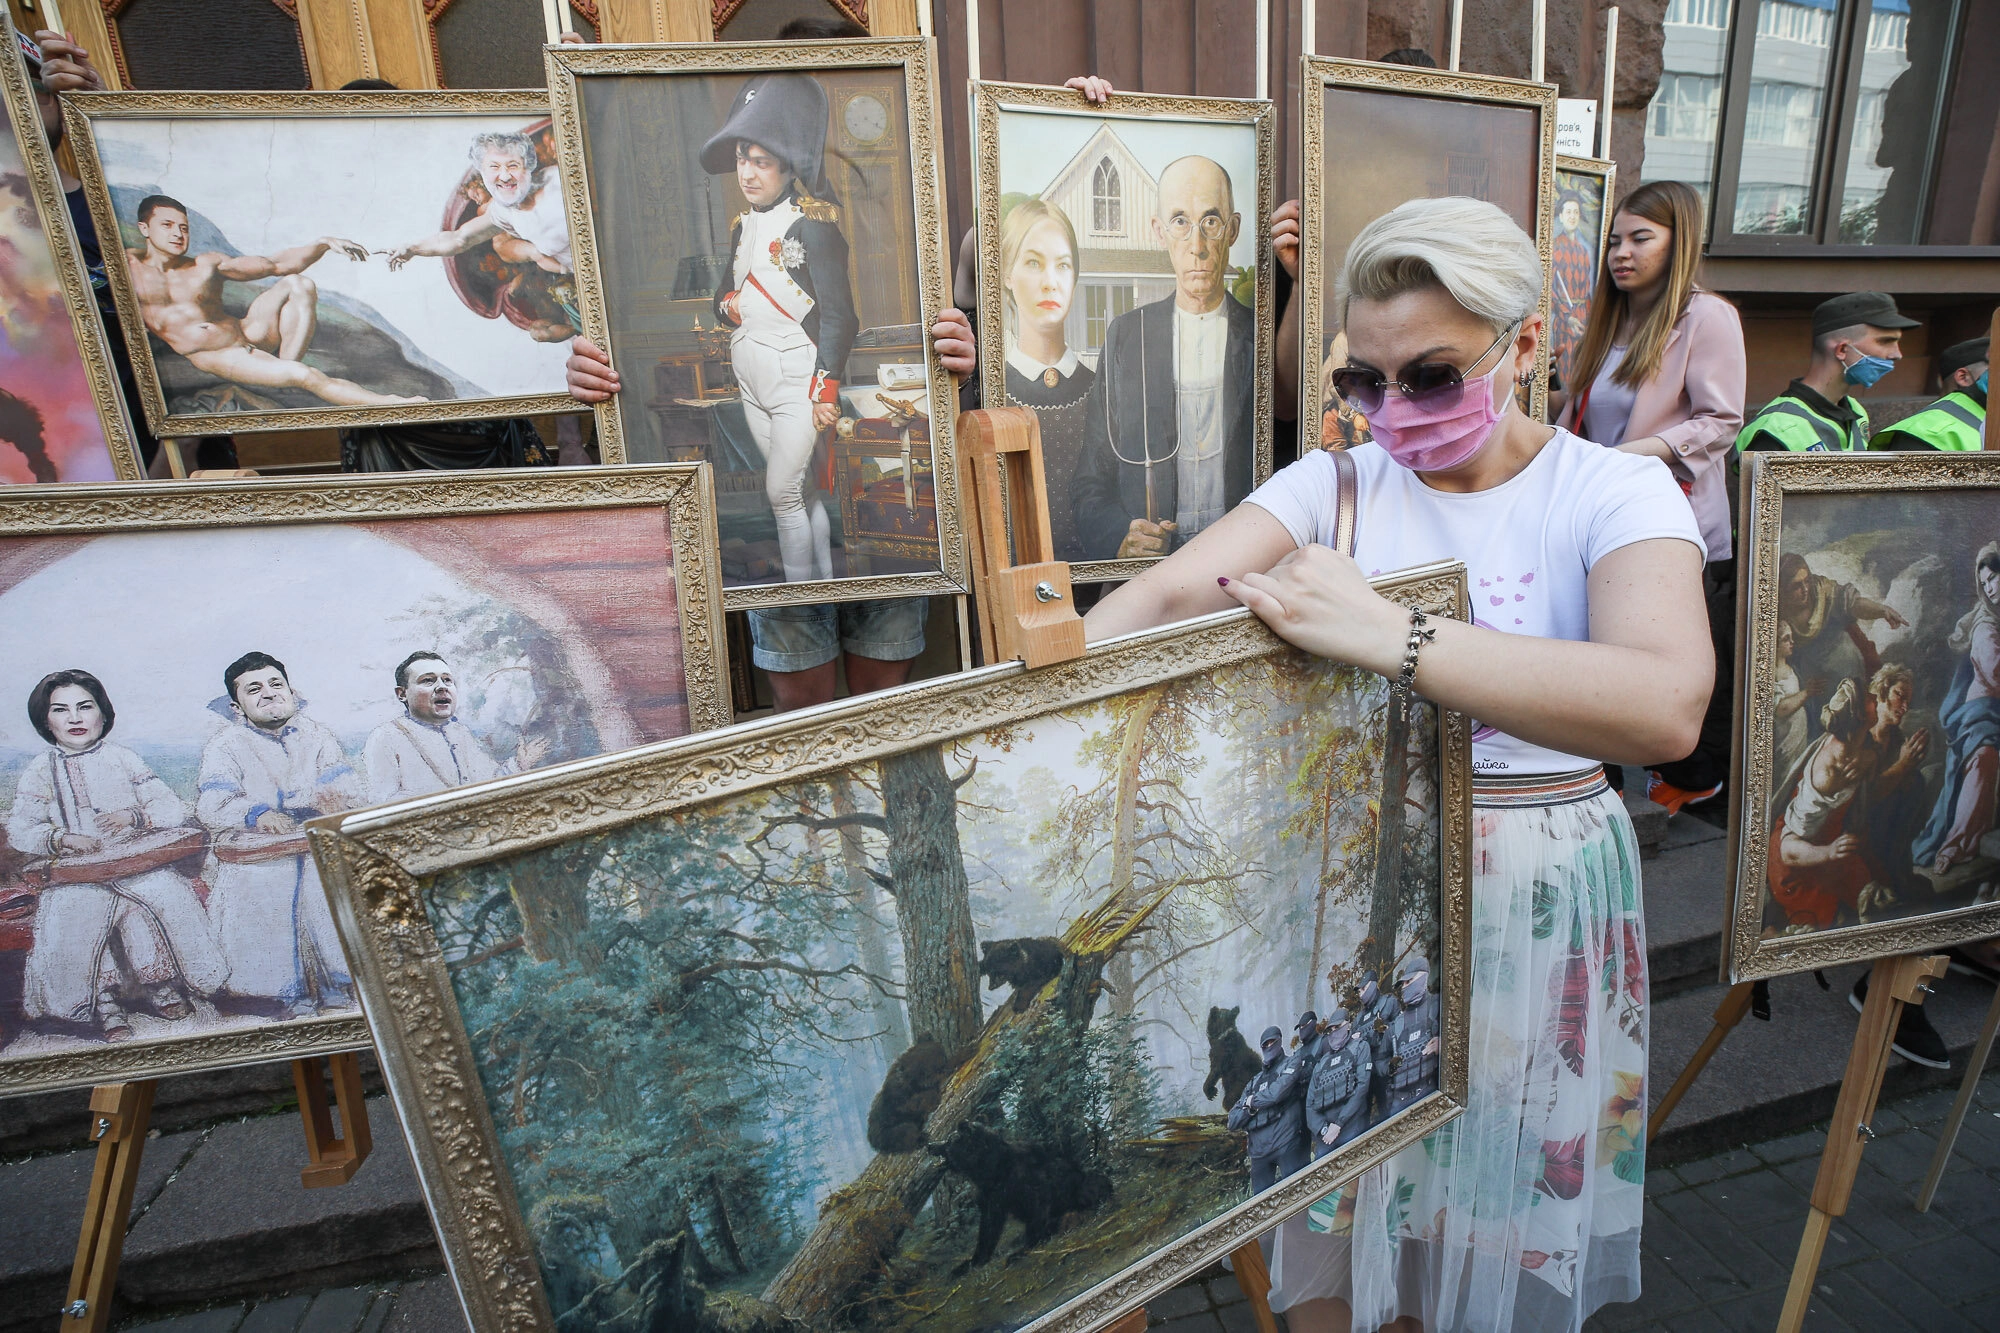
{"points": [[195, 677], [1869, 731], [1584, 191], [60, 415], [760, 249], [699, 1034], [1126, 297], [404, 257], [1377, 136]]}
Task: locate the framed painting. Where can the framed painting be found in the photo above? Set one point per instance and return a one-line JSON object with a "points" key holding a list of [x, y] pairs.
{"points": [[61, 417], [1586, 191], [1122, 249], [700, 1027], [204, 667], [405, 256], [1377, 136], [760, 248], [1868, 727]]}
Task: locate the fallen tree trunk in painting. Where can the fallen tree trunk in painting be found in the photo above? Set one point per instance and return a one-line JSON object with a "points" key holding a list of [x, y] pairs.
{"points": [[861, 1224]]}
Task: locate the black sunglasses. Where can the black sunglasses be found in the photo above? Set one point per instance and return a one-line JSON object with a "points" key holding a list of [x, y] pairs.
{"points": [[1366, 388]]}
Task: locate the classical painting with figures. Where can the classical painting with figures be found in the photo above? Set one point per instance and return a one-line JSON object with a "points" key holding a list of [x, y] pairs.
{"points": [[1122, 954], [403, 258], [1124, 297], [1867, 810], [759, 242], [187, 696]]}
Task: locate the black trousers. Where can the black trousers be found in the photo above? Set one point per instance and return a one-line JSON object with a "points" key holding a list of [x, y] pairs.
{"points": [[1709, 762]]}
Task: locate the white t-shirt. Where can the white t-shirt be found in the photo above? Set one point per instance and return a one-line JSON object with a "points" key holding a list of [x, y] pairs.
{"points": [[1528, 544]]}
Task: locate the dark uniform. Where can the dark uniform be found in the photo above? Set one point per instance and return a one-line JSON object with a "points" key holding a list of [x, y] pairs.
{"points": [[1272, 1112], [1372, 1013], [1337, 1093], [1412, 1068], [1306, 1045]]}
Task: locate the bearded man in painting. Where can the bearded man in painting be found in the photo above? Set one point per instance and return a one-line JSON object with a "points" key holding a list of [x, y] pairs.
{"points": [[428, 749], [180, 299], [524, 219], [261, 778]]}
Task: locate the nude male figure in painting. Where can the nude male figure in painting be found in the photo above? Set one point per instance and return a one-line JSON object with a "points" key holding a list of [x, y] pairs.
{"points": [[180, 298]]}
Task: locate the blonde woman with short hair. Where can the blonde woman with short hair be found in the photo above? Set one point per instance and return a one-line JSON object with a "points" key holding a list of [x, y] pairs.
{"points": [[1524, 1213]]}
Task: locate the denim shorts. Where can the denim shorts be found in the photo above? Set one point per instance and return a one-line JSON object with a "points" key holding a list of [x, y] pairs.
{"points": [[799, 638]]}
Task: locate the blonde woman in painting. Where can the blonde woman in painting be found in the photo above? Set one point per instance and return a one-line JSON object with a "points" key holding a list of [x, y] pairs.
{"points": [[1038, 273], [1585, 567], [1660, 373]]}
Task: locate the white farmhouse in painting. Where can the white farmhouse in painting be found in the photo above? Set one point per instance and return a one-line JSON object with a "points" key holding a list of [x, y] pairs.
{"points": [[1109, 198]]}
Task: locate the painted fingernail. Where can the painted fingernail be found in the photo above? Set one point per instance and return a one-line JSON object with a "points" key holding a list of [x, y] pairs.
{"points": [[1223, 582]]}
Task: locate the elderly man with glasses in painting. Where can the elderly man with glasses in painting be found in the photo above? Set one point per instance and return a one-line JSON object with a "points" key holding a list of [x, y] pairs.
{"points": [[1169, 427]]}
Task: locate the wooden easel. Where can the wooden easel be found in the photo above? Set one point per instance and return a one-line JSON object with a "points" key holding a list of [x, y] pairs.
{"points": [[119, 1118], [1727, 1015], [1948, 1136], [1893, 983], [1026, 611]]}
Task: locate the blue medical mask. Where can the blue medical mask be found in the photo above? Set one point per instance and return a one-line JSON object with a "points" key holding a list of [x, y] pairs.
{"points": [[1866, 370], [1981, 382]]}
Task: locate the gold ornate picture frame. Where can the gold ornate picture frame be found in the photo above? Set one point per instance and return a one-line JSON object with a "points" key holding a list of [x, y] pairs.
{"points": [[421, 334], [1595, 183], [1474, 108], [659, 307], [67, 419], [1871, 607], [1107, 171], [563, 612], [640, 875]]}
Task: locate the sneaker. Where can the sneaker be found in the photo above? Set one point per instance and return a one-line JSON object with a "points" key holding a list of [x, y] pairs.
{"points": [[1661, 792], [1915, 1040]]}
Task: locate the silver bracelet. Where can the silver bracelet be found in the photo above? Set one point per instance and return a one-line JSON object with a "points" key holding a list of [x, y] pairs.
{"points": [[1404, 683]]}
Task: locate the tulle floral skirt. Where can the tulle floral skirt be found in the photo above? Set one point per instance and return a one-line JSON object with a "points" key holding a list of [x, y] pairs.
{"points": [[1522, 1214]]}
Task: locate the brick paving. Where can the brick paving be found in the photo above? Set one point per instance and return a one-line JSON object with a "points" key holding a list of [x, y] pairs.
{"points": [[1721, 1232]]}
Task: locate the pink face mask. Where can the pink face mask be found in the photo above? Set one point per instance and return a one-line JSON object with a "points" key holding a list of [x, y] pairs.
{"points": [[1440, 430]]}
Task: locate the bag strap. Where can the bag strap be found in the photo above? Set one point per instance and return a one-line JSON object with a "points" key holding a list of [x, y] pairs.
{"points": [[1347, 488]]}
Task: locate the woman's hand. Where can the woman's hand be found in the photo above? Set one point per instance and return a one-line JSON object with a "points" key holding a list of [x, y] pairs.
{"points": [[1285, 235], [80, 842], [957, 349], [111, 822], [589, 373], [1095, 91], [1319, 600], [66, 66]]}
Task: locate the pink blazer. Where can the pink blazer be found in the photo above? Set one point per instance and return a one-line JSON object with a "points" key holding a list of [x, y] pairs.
{"points": [[1695, 403]]}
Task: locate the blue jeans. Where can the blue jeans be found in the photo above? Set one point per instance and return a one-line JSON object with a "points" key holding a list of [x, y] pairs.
{"points": [[799, 638]]}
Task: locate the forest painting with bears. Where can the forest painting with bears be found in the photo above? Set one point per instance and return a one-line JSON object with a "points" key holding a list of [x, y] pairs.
{"points": [[945, 1037]]}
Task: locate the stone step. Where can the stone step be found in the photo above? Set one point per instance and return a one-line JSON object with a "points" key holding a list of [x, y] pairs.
{"points": [[219, 1212], [1772, 1078], [1685, 887]]}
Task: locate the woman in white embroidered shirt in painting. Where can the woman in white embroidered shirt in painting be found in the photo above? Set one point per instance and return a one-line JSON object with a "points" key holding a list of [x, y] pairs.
{"points": [[1586, 575]]}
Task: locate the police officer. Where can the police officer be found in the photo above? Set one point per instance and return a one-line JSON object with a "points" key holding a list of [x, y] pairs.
{"points": [[1272, 1112], [1337, 1093], [1371, 1011], [1306, 1045], [1956, 422], [1414, 1041], [787, 298], [1856, 341]]}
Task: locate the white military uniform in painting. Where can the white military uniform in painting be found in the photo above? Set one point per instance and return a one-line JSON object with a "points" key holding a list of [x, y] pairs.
{"points": [[406, 758], [544, 223], [270, 915], [1201, 345], [775, 362]]}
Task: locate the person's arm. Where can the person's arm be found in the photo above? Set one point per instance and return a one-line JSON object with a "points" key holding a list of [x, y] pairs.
{"points": [[158, 805], [1186, 584], [826, 261], [32, 826], [1714, 388], [588, 372], [296, 259], [445, 243], [1867, 608], [66, 66], [1285, 379], [1634, 693], [1792, 703]]}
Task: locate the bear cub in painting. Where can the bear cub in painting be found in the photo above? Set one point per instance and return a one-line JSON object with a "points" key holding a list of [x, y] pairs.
{"points": [[1027, 964], [1009, 1181], [1231, 1062], [910, 1092]]}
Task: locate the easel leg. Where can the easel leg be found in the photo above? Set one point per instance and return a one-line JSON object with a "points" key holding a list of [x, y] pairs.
{"points": [[119, 1113], [1131, 1322], [335, 1158], [1893, 983], [1254, 1276], [1948, 1136], [1727, 1015]]}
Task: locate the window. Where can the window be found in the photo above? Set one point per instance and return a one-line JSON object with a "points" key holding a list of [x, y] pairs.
{"points": [[1686, 107], [1683, 123], [1833, 119], [1102, 303], [1698, 13], [1107, 205]]}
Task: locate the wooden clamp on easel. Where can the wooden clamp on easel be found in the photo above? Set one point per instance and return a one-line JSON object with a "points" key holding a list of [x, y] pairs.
{"points": [[120, 1115], [1026, 611], [1893, 983]]}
